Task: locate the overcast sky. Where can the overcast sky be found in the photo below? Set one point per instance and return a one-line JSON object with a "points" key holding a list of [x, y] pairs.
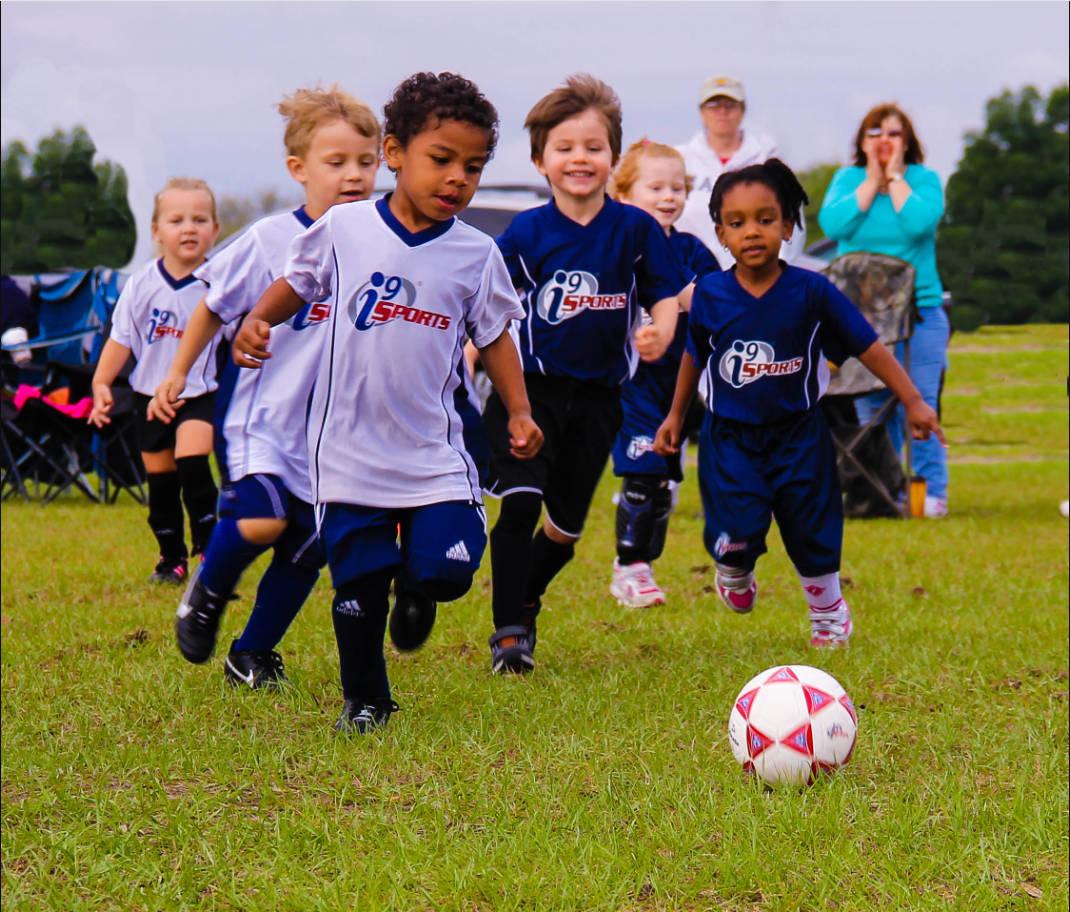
{"points": [[185, 88]]}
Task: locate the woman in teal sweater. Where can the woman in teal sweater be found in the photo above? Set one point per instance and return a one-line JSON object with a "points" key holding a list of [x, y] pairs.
{"points": [[890, 203]]}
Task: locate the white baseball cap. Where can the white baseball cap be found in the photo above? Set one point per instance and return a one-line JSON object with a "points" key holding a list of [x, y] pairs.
{"points": [[721, 85]]}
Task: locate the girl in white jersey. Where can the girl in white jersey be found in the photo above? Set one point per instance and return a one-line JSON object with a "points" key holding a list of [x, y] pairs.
{"points": [[332, 144], [148, 323]]}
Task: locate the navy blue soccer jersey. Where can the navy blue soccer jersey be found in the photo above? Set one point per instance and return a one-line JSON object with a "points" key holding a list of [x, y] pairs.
{"points": [[697, 261], [765, 358], [583, 287]]}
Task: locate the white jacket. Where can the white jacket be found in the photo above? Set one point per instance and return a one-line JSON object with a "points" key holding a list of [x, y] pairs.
{"points": [[705, 167]]}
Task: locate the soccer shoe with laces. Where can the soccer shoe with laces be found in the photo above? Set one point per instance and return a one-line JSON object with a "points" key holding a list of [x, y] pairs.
{"points": [[511, 650], [360, 717], [634, 586], [197, 620], [254, 669], [171, 570], [412, 619], [740, 601], [830, 627]]}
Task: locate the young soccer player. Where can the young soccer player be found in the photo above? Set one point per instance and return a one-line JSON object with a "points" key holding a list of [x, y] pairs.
{"points": [[150, 318], [405, 282], [651, 176], [332, 146], [761, 333], [584, 265]]}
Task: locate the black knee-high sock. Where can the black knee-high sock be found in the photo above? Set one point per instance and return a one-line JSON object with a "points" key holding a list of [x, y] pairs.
{"points": [[200, 495], [165, 514], [510, 555], [359, 614], [547, 559]]}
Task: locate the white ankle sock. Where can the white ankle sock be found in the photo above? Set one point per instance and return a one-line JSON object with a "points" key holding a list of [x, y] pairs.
{"points": [[822, 592]]}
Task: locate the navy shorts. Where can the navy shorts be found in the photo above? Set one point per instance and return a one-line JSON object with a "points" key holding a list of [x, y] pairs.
{"points": [[440, 549], [645, 400], [155, 436], [261, 496], [749, 474]]}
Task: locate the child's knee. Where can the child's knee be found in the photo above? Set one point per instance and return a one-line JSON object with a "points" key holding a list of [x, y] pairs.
{"points": [[261, 530], [558, 536]]}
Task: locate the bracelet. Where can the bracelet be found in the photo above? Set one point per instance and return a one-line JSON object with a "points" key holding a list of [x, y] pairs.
{"points": [[894, 177]]}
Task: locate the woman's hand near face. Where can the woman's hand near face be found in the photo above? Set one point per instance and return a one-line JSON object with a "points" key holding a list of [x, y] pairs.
{"points": [[874, 171], [896, 165]]}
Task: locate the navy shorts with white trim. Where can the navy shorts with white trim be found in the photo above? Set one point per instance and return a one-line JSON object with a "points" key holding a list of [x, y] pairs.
{"points": [[260, 496], [440, 549]]}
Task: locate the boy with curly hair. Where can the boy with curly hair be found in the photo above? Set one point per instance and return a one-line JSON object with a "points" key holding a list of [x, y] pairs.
{"points": [[406, 283]]}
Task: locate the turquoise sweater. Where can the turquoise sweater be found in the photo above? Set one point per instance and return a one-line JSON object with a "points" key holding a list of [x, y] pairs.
{"points": [[909, 234]]}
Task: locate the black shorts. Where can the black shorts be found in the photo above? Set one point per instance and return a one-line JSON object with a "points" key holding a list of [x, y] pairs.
{"points": [[154, 436], [579, 422]]}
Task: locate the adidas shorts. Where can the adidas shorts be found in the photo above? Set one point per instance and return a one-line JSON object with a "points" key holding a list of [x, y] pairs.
{"points": [[440, 548], [155, 436], [260, 496]]}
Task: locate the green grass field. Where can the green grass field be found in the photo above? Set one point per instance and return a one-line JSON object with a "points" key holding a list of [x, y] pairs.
{"points": [[132, 780]]}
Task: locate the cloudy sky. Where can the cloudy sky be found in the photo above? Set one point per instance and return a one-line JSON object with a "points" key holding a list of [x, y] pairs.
{"points": [[189, 88]]}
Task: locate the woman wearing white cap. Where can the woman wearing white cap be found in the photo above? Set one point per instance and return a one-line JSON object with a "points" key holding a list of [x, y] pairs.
{"points": [[723, 145]]}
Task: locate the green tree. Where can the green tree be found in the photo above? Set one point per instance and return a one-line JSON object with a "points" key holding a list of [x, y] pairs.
{"points": [[1003, 247], [61, 210], [815, 181]]}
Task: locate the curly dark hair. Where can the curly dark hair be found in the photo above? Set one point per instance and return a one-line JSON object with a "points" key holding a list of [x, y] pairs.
{"points": [[774, 174], [426, 98]]}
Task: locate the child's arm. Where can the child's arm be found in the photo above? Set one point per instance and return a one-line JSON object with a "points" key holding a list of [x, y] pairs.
{"points": [[112, 359], [200, 330], [502, 364], [652, 340], [276, 305], [921, 418], [667, 440]]}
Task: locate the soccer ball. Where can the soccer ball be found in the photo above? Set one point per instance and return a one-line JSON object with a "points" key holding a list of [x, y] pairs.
{"points": [[792, 723]]}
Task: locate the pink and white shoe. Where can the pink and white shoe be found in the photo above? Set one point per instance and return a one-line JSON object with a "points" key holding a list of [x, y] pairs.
{"points": [[830, 627], [740, 601], [634, 586]]}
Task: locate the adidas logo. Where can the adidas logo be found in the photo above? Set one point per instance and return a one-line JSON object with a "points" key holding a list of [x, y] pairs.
{"points": [[459, 553], [350, 607]]}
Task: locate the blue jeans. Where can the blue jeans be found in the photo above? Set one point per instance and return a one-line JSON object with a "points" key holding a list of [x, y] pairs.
{"points": [[928, 359]]}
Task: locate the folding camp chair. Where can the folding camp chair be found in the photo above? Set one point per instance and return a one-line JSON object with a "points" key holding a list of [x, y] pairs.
{"points": [[882, 287], [117, 460]]}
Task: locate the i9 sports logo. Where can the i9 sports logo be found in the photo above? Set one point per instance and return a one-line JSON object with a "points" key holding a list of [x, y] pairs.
{"points": [[162, 324], [383, 299], [571, 293], [313, 314], [746, 362]]}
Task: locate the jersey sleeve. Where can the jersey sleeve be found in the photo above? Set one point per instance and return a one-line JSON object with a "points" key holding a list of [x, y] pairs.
{"points": [[845, 333], [698, 335], [310, 261], [122, 317], [494, 305], [659, 271], [236, 277], [510, 254]]}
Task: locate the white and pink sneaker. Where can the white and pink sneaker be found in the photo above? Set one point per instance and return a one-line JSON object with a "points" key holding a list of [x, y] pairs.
{"points": [[830, 627], [739, 600], [634, 586]]}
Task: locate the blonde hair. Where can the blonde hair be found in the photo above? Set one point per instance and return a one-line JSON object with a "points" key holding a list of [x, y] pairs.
{"points": [[183, 183], [306, 110], [627, 172]]}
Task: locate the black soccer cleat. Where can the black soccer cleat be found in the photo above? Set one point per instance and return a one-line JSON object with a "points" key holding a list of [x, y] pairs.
{"points": [[511, 650], [360, 717], [197, 620], [412, 619], [170, 570], [254, 669]]}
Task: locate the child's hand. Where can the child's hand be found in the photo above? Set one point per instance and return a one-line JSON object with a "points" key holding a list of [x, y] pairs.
{"points": [[102, 403], [167, 401], [667, 439], [525, 437], [649, 342], [251, 343], [923, 421]]}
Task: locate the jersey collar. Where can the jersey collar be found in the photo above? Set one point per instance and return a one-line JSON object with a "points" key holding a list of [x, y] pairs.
{"points": [[303, 217], [176, 284], [411, 239]]}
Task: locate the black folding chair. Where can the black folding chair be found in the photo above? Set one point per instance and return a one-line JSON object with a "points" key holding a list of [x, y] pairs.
{"points": [[117, 460], [882, 287]]}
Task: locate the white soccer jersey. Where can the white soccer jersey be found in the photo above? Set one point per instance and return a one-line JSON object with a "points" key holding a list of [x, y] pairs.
{"points": [[264, 427], [150, 318], [384, 428]]}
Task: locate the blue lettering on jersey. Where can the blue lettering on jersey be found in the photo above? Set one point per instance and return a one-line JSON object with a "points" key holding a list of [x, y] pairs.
{"points": [[571, 293], [160, 325], [313, 314], [383, 299], [745, 362]]}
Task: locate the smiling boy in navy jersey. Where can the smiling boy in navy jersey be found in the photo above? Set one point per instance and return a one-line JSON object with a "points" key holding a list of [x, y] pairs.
{"points": [[583, 264], [407, 283]]}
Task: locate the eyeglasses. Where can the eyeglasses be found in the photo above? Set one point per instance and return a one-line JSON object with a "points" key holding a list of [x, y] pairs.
{"points": [[721, 104], [877, 132]]}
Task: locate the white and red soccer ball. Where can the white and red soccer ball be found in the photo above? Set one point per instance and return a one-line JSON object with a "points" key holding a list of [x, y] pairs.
{"points": [[791, 723]]}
